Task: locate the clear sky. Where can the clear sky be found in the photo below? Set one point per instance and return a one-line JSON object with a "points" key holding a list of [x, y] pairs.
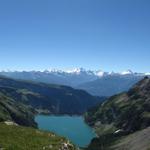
{"points": [[95, 34]]}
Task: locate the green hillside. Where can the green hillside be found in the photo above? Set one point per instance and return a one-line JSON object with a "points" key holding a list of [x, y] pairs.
{"points": [[48, 98], [19, 101], [15, 111], [22, 138], [121, 115]]}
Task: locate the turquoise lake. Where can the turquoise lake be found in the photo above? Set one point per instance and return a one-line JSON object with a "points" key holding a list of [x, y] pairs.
{"points": [[72, 127]]}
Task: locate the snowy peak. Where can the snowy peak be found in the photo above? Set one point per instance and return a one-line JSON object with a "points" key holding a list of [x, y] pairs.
{"points": [[54, 71], [127, 72], [80, 72], [76, 71], [147, 74], [99, 73]]}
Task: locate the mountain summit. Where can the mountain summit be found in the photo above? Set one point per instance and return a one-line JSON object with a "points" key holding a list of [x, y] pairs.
{"points": [[127, 72]]}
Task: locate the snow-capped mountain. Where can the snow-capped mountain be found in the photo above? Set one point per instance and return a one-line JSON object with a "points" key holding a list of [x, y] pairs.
{"points": [[147, 74], [127, 72], [78, 71], [98, 73], [96, 82]]}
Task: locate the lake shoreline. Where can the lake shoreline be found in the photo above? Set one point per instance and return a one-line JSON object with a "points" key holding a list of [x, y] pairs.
{"points": [[72, 127]]}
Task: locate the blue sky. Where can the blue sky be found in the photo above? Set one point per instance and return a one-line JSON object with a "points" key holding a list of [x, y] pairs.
{"points": [[95, 34]]}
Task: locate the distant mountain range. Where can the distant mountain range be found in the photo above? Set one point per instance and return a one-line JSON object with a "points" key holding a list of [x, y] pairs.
{"points": [[110, 84], [97, 83]]}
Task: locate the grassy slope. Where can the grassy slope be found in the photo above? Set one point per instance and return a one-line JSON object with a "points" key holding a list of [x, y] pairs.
{"points": [[23, 138], [14, 106]]}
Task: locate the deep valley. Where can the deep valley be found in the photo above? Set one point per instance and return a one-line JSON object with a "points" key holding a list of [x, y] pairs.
{"points": [[119, 121]]}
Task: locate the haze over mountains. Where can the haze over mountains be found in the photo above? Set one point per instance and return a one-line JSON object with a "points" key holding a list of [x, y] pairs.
{"points": [[97, 83]]}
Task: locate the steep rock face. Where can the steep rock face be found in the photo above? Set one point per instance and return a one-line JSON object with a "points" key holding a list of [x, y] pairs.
{"points": [[129, 111], [137, 141], [119, 117], [14, 111]]}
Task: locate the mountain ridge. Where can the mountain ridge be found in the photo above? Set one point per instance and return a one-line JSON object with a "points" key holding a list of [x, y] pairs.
{"points": [[110, 85], [49, 97], [77, 71], [120, 116], [91, 81]]}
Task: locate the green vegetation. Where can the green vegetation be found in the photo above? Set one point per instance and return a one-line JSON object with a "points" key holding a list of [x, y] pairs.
{"points": [[22, 138], [19, 101], [50, 98], [120, 116], [15, 111]]}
